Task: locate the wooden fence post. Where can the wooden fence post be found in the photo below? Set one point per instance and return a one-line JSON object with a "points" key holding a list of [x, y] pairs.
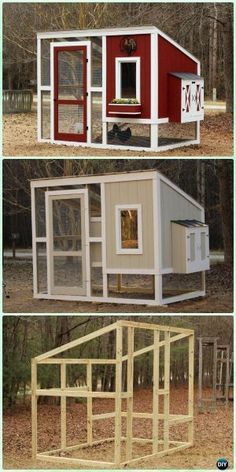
{"points": [[200, 374], [167, 389], [130, 382], [63, 406], [190, 386], [34, 407], [118, 396], [89, 405], [156, 362]]}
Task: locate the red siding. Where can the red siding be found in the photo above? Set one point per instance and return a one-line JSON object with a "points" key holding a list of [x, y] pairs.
{"points": [[174, 99], [171, 59], [142, 51]]}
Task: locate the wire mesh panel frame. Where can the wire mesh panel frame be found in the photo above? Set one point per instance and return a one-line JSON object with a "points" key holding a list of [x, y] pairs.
{"points": [[171, 335]]}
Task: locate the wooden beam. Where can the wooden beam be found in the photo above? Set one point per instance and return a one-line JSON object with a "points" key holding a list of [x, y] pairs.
{"points": [[117, 456], [214, 370], [190, 386], [89, 406], [166, 389], [69, 392], [227, 380], [130, 383], [58, 360], [119, 282], [74, 461], [200, 373], [146, 349], [156, 366], [138, 325], [78, 446], [63, 407], [158, 454], [77, 342], [34, 407], [103, 416]]}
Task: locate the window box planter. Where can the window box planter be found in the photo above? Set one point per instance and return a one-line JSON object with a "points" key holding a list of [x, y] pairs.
{"points": [[124, 109]]}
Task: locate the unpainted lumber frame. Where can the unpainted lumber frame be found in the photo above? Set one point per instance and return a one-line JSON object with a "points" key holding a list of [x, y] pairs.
{"points": [[171, 335]]}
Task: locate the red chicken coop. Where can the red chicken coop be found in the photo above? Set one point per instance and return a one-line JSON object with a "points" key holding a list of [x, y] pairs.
{"points": [[126, 88]]}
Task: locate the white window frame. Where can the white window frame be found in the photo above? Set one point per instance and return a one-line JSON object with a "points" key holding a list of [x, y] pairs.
{"points": [[119, 249], [119, 61]]}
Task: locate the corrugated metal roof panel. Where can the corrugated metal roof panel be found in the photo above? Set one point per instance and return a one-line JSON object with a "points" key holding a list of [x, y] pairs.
{"points": [[189, 223], [186, 75]]}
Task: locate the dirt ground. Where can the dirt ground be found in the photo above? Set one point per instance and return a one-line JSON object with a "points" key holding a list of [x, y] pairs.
{"points": [[19, 139], [213, 433], [18, 295]]}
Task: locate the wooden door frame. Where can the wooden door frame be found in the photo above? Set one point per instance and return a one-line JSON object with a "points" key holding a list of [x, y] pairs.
{"points": [[87, 124], [77, 193]]}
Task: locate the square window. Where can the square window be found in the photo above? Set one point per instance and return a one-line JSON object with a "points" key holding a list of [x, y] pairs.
{"points": [[128, 229]]}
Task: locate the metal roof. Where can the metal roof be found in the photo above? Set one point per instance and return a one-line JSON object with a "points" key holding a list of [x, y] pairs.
{"points": [[186, 75], [189, 223]]}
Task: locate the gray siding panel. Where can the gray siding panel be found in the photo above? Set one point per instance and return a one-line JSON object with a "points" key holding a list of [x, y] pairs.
{"points": [[173, 207], [121, 193]]}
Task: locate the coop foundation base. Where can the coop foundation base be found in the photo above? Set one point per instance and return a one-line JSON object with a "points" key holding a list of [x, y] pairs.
{"points": [[125, 301], [124, 148], [50, 456]]}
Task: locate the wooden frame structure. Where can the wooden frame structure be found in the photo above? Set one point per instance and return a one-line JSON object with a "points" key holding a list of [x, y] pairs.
{"points": [[220, 372], [163, 338]]}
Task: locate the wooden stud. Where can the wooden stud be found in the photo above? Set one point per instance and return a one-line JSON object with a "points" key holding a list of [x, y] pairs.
{"points": [[166, 389], [63, 406], [57, 360], [227, 380], [158, 454], [75, 461], [77, 342], [89, 406], [156, 366], [34, 407], [190, 386], [139, 325], [214, 371], [144, 350], [200, 374], [130, 382], [118, 396], [119, 282]]}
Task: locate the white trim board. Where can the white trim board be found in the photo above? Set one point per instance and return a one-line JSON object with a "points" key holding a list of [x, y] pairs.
{"points": [[120, 301], [118, 229], [118, 80], [109, 178], [127, 148]]}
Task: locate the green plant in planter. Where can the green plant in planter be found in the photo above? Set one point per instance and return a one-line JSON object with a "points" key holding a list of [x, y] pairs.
{"points": [[125, 101]]}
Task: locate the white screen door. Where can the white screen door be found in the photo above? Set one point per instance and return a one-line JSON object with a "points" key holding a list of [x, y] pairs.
{"points": [[66, 243]]}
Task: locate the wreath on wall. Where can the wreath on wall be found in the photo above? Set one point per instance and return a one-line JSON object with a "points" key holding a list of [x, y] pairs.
{"points": [[128, 45]]}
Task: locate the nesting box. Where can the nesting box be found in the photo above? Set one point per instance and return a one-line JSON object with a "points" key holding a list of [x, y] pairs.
{"points": [[190, 246], [185, 97]]}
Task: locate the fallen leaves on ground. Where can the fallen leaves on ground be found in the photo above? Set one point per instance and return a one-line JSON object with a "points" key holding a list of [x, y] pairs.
{"points": [[19, 139], [213, 433], [18, 279]]}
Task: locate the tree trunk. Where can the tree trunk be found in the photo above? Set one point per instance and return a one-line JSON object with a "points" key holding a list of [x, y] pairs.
{"points": [[224, 172], [228, 60]]}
